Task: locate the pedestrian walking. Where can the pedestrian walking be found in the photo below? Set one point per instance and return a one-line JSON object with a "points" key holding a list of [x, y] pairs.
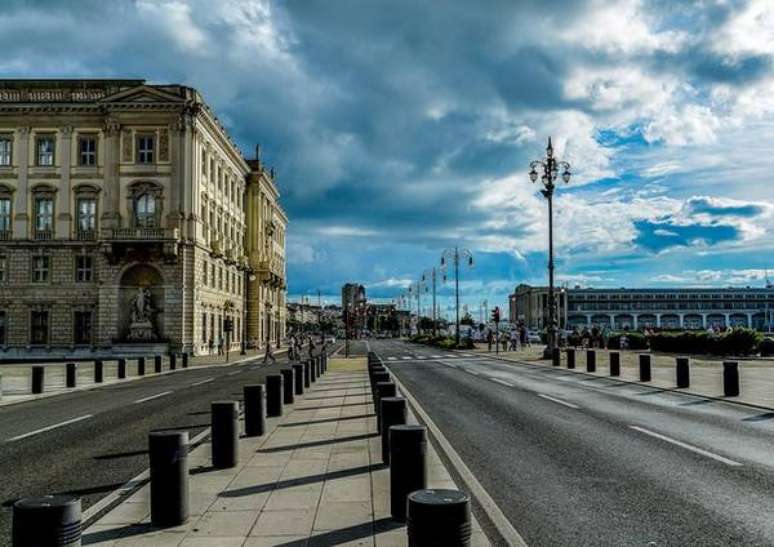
{"points": [[269, 354], [514, 341], [505, 343], [311, 347], [489, 338], [211, 345], [220, 345]]}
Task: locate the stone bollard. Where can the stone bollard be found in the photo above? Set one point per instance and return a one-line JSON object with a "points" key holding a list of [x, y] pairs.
{"points": [[288, 386], [71, 375], [730, 378], [312, 370], [378, 378], [408, 465], [307, 374], [225, 434], [47, 521], [615, 363], [99, 371], [645, 372], [383, 389], [141, 366], [255, 410], [556, 357], [38, 379], [1, 386], [172, 361], [591, 360], [169, 497], [570, 357], [157, 364], [438, 517], [319, 366], [274, 395], [298, 378], [325, 362], [121, 369], [185, 359], [683, 372], [393, 412]]}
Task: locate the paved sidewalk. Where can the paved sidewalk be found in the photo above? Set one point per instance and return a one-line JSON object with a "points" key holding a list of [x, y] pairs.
{"points": [[756, 376], [315, 479]]}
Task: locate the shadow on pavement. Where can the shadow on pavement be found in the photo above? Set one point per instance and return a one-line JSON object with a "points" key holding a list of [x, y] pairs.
{"points": [[316, 443]]}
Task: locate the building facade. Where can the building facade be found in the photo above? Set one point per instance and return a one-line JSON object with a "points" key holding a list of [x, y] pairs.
{"points": [[668, 308], [122, 220], [529, 305]]}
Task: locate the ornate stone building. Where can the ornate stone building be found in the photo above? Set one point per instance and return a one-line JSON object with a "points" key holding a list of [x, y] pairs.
{"points": [[129, 221]]}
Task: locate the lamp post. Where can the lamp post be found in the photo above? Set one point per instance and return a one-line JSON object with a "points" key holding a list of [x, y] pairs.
{"points": [[249, 278], [454, 256], [550, 171], [432, 274]]}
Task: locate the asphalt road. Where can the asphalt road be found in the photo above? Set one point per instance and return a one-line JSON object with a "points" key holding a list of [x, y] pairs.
{"points": [[89, 443], [578, 460]]}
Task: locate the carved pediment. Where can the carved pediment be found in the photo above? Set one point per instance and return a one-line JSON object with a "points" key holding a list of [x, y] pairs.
{"points": [[143, 94]]}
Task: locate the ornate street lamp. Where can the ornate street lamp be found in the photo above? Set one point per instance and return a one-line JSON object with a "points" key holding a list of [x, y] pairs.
{"points": [[550, 171], [454, 256], [432, 275]]}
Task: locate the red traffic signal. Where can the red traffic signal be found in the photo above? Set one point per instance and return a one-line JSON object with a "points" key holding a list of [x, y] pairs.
{"points": [[496, 314]]}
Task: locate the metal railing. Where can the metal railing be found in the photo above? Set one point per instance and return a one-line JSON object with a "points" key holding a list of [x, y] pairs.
{"points": [[86, 235], [44, 235], [6, 235], [138, 233]]}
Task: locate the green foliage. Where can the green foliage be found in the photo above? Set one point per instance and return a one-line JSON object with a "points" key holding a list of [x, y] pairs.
{"points": [[766, 347], [741, 341], [467, 320]]}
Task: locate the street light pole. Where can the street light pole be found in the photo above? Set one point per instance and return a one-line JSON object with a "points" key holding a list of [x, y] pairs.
{"points": [[433, 274], [455, 255], [550, 167]]}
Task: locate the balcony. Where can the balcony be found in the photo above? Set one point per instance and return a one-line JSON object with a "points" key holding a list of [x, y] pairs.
{"points": [[216, 248], [6, 235], [143, 234], [43, 235], [86, 235]]}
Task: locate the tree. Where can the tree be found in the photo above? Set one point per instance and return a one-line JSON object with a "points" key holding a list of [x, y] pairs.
{"points": [[425, 323], [467, 320]]}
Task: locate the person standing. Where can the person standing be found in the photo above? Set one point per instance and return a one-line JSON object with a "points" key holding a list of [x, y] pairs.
{"points": [[269, 354]]}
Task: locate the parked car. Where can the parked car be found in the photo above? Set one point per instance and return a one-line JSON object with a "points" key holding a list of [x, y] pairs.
{"points": [[534, 337]]}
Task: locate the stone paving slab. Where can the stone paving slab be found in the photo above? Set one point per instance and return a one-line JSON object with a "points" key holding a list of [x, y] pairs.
{"points": [[315, 478]]}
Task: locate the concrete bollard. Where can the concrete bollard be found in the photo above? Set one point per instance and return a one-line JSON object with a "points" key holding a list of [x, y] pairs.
{"points": [[312, 370], [99, 371], [393, 412], [274, 395], [307, 374], [47, 521], [38, 379], [319, 366], [682, 372], [556, 357], [298, 378], [185, 359], [408, 465], [141, 366], [730, 378], [438, 517], [169, 498], [570, 358], [615, 363], [255, 410], [71, 375], [591, 360], [225, 434], [288, 386], [645, 372], [1, 386], [383, 389], [121, 369], [157, 364], [172, 361], [325, 362]]}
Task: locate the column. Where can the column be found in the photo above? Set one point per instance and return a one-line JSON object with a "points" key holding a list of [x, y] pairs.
{"points": [[171, 200], [111, 218], [728, 319], [64, 217], [658, 320], [681, 319], [704, 320], [20, 205], [749, 319], [634, 321], [612, 321]]}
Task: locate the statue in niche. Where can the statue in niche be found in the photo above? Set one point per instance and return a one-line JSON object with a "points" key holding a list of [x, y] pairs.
{"points": [[141, 314]]}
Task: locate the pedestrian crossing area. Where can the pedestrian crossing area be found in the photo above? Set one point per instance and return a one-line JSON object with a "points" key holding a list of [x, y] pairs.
{"points": [[417, 357]]}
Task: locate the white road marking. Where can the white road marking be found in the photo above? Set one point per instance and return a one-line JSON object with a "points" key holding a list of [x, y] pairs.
{"points": [[687, 446], [162, 394], [436, 356], [503, 382], [558, 401], [407, 358], [392, 358], [50, 427], [473, 372], [208, 380], [232, 373]]}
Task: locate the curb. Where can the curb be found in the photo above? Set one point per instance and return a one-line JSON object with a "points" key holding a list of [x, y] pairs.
{"points": [[495, 515]]}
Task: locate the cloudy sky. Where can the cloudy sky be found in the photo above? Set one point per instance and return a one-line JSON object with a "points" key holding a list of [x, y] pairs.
{"points": [[403, 127]]}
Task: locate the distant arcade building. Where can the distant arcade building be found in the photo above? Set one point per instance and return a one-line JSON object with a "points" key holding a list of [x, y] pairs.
{"points": [[668, 308]]}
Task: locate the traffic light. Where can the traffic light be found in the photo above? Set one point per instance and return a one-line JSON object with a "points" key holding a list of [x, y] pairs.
{"points": [[496, 314]]}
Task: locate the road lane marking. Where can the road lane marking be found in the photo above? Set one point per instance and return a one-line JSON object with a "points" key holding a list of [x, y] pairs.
{"points": [[232, 373], [50, 427], [391, 358], [436, 356], [144, 399], [473, 372], [687, 446], [558, 401], [503, 382], [407, 358], [208, 380]]}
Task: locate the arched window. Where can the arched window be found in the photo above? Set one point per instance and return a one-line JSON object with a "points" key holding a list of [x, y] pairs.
{"points": [[145, 211]]}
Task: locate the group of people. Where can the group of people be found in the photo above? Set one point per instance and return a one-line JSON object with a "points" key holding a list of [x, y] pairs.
{"points": [[511, 341]]}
